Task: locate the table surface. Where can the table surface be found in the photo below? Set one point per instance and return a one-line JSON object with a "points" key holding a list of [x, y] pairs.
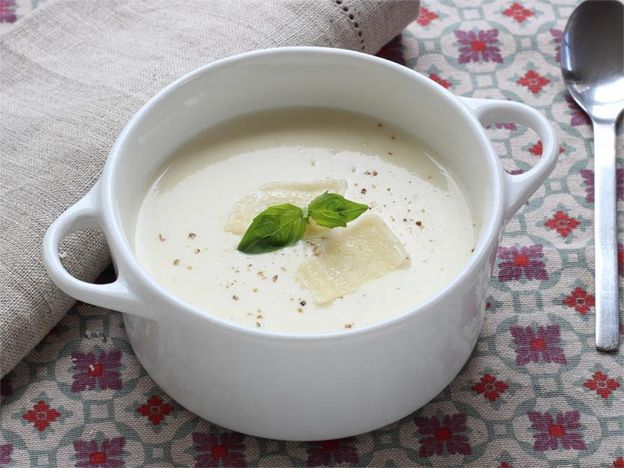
{"points": [[534, 392]]}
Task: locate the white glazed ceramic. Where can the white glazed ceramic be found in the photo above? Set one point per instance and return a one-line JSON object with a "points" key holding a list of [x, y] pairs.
{"points": [[301, 387]]}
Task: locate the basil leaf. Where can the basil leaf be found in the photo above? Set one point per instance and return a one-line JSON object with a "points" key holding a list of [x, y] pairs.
{"points": [[331, 210], [276, 227]]}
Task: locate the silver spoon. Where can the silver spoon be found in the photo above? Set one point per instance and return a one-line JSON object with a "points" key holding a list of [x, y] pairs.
{"points": [[592, 62]]}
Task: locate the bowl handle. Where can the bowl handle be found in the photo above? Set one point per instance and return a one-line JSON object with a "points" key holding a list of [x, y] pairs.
{"points": [[519, 187], [117, 295]]}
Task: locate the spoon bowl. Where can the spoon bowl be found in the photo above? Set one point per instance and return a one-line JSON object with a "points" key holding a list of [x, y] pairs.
{"points": [[592, 57]]}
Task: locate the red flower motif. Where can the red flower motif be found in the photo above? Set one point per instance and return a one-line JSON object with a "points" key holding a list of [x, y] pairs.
{"points": [[620, 257], [490, 387], [618, 462], [41, 415], [518, 12], [441, 81], [534, 81], [602, 384], [155, 409], [504, 465], [426, 16], [562, 223], [537, 149], [580, 301]]}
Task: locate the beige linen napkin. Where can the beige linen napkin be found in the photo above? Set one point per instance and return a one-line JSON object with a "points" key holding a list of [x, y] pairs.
{"points": [[73, 73]]}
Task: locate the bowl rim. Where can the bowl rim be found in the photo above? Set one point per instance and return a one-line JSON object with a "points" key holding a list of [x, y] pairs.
{"points": [[129, 266]]}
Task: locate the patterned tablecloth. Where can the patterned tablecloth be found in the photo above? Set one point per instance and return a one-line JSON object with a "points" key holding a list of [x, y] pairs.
{"points": [[534, 393]]}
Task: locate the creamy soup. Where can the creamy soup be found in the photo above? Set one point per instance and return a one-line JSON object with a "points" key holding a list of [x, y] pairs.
{"points": [[416, 236]]}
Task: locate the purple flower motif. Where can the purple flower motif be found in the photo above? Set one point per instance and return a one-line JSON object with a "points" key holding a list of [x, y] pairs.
{"points": [[557, 430], [393, 51], [6, 387], [515, 171], [7, 11], [5, 454], [327, 452], [588, 180], [507, 126], [214, 450], [475, 46], [503, 126], [620, 257], [96, 371], [108, 454], [619, 181], [557, 35], [532, 345], [525, 261], [578, 115], [436, 435]]}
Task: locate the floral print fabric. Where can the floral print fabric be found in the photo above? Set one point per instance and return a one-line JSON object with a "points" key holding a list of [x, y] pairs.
{"points": [[534, 392]]}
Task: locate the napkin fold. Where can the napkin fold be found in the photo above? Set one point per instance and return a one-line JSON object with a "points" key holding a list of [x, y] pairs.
{"points": [[71, 76]]}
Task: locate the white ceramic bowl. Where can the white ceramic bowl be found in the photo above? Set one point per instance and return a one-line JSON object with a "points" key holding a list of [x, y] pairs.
{"points": [[294, 386]]}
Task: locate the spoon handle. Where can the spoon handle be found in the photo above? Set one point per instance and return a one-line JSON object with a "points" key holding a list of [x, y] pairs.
{"points": [[605, 230]]}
